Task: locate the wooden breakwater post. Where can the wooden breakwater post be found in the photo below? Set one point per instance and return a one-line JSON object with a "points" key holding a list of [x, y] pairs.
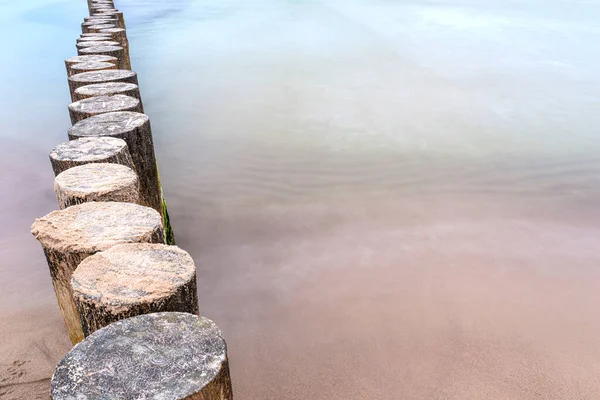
{"points": [[107, 89], [92, 66], [133, 279], [69, 236], [96, 182], [86, 108], [106, 258], [70, 62], [166, 355], [101, 149], [115, 51], [88, 78], [134, 128]]}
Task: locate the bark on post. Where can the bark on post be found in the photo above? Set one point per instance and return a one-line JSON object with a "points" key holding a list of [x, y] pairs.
{"points": [[92, 43], [88, 150], [133, 279], [166, 355], [96, 182], [69, 62], [80, 110], [114, 51], [106, 89], [69, 236], [88, 78], [120, 35], [134, 129], [92, 66]]}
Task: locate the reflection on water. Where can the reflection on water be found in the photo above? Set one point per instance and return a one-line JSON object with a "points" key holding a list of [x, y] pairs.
{"points": [[384, 199]]}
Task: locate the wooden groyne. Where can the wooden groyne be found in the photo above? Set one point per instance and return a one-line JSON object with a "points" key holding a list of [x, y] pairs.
{"points": [[127, 294]]}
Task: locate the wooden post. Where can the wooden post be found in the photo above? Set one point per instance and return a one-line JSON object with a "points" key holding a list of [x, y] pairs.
{"points": [[88, 78], [91, 43], [101, 149], [91, 106], [69, 62], [69, 236], [166, 355], [115, 51], [92, 66], [97, 21], [120, 35], [106, 89], [96, 182], [134, 129], [133, 279], [117, 14], [96, 28], [106, 38], [93, 34]]}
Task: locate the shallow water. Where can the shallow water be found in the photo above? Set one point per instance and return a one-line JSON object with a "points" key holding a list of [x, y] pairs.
{"points": [[384, 199]]}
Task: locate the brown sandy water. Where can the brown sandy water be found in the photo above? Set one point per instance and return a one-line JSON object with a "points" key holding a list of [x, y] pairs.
{"points": [[384, 200]]}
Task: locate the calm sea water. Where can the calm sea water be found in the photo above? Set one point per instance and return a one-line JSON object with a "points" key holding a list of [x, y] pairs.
{"points": [[384, 199]]}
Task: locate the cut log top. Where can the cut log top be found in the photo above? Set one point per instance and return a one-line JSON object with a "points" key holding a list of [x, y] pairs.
{"points": [[112, 30], [90, 43], [91, 66], [102, 76], [114, 123], [90, 149], [106, 38], [132, 274], [99, 49], [94, 34], [101, 26], [105, 104], [95, 179], [100, 21], [91, 227], [103, 89], [153, 356], [90, 58]]}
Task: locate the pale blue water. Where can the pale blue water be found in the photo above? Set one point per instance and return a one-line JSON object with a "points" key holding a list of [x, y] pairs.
{"points": [[384, 199]]}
